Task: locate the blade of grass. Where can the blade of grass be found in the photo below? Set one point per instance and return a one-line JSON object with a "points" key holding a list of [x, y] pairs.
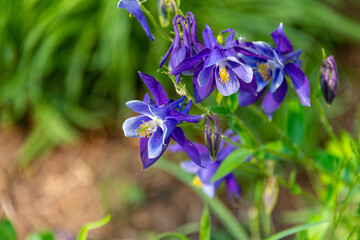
{"points": [[224, 215], [293, 230], [89, 226]]}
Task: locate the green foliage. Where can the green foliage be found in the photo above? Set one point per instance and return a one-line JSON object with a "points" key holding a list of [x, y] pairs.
{"points": [[234, 227], [294, 230], [296, 123], [169, 236], [67, 66], [7, 231], [43, 235], [232, 102], [93, 225], [234, 160], [205, 227], [221, 111], [59, 69]]}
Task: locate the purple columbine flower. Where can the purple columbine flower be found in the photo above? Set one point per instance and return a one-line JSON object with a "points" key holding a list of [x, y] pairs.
{"points": [[183, 47], [271, 69], [133, 7], [204, 174], [329, 79], [158, 122], [218, 66]]}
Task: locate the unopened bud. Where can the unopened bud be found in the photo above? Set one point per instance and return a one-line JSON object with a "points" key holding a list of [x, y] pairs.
{"points": [[271, 192], [166, 9], [329, 79], [212, 134]]}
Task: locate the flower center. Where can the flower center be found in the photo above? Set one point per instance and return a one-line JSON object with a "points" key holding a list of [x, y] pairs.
{"points": [[264, 71], [197, 182], [220, 39], [224, 76], [147, 128]]}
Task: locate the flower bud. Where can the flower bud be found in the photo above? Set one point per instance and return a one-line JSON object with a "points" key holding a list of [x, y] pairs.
{"points": [[329, 79], [212, 134], [166, 9], [270, 196]]}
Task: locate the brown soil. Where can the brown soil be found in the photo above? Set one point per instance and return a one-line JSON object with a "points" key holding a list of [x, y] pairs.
{"points": [[78, 184]]}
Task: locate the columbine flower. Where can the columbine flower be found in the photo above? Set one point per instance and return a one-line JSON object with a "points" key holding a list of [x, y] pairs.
{"points": [[204, 174], [158, 122], [133, 7], [271, 69], [217, 66], [183, 47], [329, 79]]}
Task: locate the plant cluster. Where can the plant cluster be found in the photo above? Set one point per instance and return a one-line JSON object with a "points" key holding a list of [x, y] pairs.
{"points": [[237, 72]]}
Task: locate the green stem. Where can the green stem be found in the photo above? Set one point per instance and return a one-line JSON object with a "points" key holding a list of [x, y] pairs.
{"points": [[256, 210], [344, 206], [341, 166], [246, 129], [267, 224], [155, 24], [278, 131], [327, 125], [89, 226], [298, 153], [282, 182], [258, 149], [224, 215], [352, 233], [317, 85]]}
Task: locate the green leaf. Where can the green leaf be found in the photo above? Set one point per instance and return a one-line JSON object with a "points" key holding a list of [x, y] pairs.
{"points": [[232, 102], [296, 122], [43, 235], [323, 53], [89, 226], [7, 231], [275, 145], [292, 178], [205, 228], [232, 224], [234, 160], [290, 231], [294, 187], [219, 110], [169, 235], [326, 160]]}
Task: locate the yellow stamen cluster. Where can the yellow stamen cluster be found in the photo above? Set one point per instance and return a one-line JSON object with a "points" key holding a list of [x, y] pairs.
{"points": [[147, 128], [264, 71], [220, 39], [197, 182], [224, 76]]}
